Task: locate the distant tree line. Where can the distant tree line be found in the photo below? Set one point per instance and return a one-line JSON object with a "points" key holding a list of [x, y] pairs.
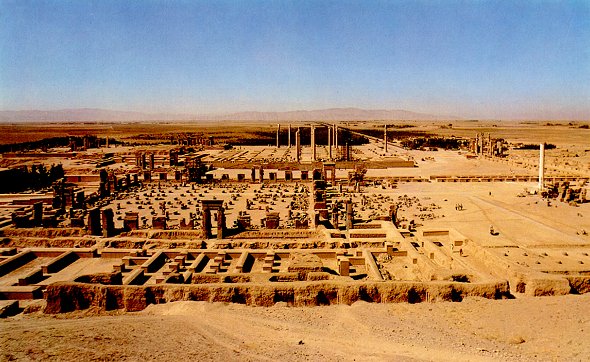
{"points": [[535, 146], [33, 145], [22, 178], [435, 142], [50, 143], [391, 133]]}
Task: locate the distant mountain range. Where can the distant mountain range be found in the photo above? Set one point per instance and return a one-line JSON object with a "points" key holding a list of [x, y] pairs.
{"points": [[82, 115], [331, 114], [97, 115]]}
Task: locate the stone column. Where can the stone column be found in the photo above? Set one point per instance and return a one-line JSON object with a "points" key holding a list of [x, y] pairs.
{"points": [[289, 137], [330, 142], [349, 215], [385, 138], [336, 137], [541, 166], [482, 143], [278, 135], [313, 154], [298, 145]]}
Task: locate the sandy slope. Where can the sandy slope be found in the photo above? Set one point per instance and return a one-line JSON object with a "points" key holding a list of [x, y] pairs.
{"points": [[547, 328]]}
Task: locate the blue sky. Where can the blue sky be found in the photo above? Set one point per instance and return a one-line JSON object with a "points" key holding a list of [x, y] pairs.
{"points": [[485, 59]]}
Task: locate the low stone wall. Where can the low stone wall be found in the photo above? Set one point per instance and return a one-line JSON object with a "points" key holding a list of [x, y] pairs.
{"points": [[66, 297], [175, 234], [368, 235], [366, 226], [47, 242], [309, 166], [275, 234], [9, 264], [44, 232]]}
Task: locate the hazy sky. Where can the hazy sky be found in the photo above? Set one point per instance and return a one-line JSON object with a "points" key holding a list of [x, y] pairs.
{"points": [[503, 59]]}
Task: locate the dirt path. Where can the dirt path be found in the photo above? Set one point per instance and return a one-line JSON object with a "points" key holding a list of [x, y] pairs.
{"points": [[545, 328]]}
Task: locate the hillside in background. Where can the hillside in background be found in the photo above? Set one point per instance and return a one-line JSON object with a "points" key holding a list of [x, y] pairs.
{"points": [[96, 115]]}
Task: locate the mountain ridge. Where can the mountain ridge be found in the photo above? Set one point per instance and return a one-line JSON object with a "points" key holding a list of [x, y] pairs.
{"points": [[328, 114]]}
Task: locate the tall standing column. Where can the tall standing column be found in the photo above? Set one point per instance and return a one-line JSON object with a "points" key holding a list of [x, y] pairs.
{"points": [[330, 142], [278, 134], [313, 155], [298, 145], [336, 137], [541, 166], [385, 138], [349, 215], [289, 136], [480, 144]]}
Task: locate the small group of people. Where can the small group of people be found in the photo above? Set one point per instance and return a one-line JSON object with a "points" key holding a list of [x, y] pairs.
{"points": [[459, 207]]}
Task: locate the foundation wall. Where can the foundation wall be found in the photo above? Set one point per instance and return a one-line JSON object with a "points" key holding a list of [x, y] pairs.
{"points": [[527, 282], [66, 297]]}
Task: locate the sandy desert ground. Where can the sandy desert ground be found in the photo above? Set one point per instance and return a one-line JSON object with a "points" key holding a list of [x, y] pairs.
{"points": [[521, 329]]}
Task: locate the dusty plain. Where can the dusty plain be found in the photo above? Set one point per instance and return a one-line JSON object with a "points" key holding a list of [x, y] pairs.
{"points": [[522, 329]]}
